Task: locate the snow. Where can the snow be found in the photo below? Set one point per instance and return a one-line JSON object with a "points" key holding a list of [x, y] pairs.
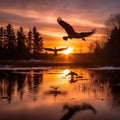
{"points": [[8, 67], [12, 68], [106, 68]]}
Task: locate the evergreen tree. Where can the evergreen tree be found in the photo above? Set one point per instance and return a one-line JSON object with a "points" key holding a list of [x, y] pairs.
{"points": [[22, 50], [3, 44], [11, 39], [38, 41], [30, 41], [1, 32], [1, 37]]}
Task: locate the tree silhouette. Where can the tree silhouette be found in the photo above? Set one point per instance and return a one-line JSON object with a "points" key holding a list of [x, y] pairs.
{"points": [[3, 43], [16, 45], [38, 42], [11, 39], [1, 32], [111, 47], [21, 49], [99, 45], [30, 41]]}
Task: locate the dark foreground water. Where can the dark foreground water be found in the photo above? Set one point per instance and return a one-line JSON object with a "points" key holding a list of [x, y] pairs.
{"points": [[51, 94]]}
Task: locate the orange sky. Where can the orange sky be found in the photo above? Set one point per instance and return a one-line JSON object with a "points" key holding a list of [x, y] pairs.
{"points": [[83, 15]]}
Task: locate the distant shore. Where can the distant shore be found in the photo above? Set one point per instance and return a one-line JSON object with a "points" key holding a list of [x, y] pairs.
{"points": [[45, 63], [84, 60]]}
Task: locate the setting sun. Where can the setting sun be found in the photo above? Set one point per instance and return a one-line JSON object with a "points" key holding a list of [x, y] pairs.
{"points": [[68, 51]]}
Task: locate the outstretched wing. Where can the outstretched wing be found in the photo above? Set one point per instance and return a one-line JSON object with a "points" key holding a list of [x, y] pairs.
{"points": [[68, 28], [72, 73], [49, 49], [61, 49], [85, 34]]}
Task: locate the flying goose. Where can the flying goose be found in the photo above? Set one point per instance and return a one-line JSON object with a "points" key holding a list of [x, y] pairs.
{"points": [[55, 50], [72, 33]]}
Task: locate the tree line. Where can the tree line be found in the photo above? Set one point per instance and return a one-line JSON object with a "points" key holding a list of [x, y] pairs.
{"points": [[18, 45]]}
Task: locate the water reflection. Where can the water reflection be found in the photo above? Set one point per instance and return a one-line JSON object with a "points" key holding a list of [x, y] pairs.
{"points": [[55, 92], [73, 109], [12, 84], [44, 93]]}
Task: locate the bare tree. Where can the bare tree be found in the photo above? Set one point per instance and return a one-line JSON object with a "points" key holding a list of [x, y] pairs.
{"points": [[113, 22], [113, 35]]}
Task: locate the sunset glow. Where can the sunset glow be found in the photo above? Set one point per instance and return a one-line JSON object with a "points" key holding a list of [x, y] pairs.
{"points": [[68, 51], [82, 15], [59, 59]]}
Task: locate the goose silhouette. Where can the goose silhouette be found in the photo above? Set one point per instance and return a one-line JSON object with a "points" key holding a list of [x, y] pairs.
{"points": [[73, 109], [55, 50], [55, 91], [72, 74], [72, 33]]}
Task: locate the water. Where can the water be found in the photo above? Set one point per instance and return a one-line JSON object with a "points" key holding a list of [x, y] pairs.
{"points": [[49, 94]]}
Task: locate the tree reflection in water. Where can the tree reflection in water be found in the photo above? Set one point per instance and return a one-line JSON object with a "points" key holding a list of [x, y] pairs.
{"points": [[101, 89], [99, 82], [10, 83]]}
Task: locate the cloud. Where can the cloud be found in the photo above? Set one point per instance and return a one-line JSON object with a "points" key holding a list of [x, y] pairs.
{"points": [[82, 14], [95, 10]]}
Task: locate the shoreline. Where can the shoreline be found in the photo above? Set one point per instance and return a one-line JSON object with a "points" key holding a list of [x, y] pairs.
{"points": [[48, 63], [72, 60]]}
